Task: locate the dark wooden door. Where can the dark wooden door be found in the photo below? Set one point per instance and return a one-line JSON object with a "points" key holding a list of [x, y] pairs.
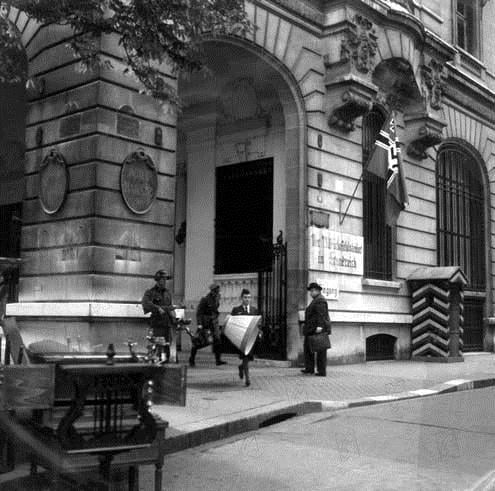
{"points": [[244, 217]]}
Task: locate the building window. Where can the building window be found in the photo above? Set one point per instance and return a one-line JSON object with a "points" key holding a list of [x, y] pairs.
{"points": [[461, 214], [377, 233], [467, 25]]}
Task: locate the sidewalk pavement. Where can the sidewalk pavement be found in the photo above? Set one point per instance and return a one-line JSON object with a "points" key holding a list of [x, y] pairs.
{"points": [[219, 405]]}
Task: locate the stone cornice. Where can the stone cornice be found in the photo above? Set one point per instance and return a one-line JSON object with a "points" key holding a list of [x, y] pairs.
{"points": [[436, 45], [310, 10], [470, 94]]}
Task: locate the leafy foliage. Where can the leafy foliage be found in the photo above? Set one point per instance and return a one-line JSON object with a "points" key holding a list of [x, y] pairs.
{"points": [[151, 32]]}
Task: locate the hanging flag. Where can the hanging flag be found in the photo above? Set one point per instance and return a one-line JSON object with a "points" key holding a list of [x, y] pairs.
{"points": [[385, 161]]}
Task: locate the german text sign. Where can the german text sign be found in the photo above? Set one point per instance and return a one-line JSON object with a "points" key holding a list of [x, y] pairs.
{"points": [[335, 251]]}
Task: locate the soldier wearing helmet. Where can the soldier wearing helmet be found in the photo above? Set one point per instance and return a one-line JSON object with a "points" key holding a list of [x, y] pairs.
{"points": [[158, 301]]}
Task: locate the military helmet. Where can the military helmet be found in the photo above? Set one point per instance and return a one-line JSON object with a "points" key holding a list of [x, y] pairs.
{"points": [[161, 273]]}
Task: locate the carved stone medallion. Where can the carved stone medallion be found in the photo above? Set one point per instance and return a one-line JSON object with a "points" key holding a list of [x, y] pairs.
{"points": [[138, 182], [360, 45], [54, 182]]}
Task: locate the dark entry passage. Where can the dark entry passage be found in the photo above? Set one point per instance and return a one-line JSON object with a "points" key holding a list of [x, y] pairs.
{"points": [[473, 323], [244, 217]]}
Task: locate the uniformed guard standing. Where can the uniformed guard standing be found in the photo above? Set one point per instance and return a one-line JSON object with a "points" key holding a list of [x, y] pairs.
{"points": [[158, 301]]}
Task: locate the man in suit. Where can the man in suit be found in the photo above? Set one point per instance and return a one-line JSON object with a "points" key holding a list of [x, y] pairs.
{"points": [[207, 319], [316, 321], [158, 301], [245, 309]]}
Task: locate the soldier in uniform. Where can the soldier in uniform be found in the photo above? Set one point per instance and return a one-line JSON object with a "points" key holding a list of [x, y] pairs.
{"points": [[207, 320], [158, 301]]}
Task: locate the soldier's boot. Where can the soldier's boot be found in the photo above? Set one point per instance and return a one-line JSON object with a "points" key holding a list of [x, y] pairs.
{"points": [[218, 353], [192, 357]]}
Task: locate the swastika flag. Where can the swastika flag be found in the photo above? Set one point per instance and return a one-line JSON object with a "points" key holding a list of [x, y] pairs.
{"points": [[385, 161]]}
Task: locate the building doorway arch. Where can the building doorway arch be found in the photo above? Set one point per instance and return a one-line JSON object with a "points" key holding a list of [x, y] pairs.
{"points": [[243, 122], [461, 230]]}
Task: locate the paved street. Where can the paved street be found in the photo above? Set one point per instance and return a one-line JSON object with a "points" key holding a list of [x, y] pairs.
{"points": [[423, 438], [438, 443], [216, 395]]}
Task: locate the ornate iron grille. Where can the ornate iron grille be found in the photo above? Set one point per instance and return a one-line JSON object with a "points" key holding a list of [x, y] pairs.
{"points": [[272, 303], [460, 215]]}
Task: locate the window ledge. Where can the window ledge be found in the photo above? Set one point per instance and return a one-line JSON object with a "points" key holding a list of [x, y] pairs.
{"points": [[392, 285], [471, 62], [474, 293]]}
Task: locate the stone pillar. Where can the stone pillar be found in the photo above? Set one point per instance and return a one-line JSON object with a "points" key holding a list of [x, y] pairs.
{"points": [[437, 309], [98, 213], [200, 244]]}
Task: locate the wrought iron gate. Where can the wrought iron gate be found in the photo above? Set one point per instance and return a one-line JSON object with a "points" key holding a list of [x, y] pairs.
{"points": [[272, 303]]}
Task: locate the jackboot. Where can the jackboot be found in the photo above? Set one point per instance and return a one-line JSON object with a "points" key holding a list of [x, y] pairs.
{"points": [[192, 357]]}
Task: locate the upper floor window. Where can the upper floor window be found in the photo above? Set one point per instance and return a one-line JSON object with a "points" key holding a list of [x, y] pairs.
{"points": [[461, 214], [377, 232], [467, 25]]}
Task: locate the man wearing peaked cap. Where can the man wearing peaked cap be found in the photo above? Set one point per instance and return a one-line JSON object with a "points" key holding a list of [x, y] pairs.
{"points": [[207, 320], [158, 301]]}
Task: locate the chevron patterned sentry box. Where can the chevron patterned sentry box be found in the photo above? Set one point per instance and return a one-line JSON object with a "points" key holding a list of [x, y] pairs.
{"points": [[438, 314]]}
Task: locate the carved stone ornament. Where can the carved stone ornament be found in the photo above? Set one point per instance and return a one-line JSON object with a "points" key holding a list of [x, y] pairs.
{"points": [[54, 182], [427, 131], [239, 101], [138, 182], [434, 77], [360, 46], [353, 105]]}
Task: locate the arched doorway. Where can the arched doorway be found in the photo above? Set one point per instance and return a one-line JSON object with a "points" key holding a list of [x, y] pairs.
{"points": [[461, 231], [240, 182]]}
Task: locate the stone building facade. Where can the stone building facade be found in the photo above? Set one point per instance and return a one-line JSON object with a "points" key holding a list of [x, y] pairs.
{"points": [[112, 185]]}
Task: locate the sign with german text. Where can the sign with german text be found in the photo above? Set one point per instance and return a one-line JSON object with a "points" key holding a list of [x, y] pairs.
{"points": [[330, 288], [335, 252]]}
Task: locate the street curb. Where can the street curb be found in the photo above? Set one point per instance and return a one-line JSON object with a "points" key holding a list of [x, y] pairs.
{"points": [[220, 428], [224, 427], [450, 386]]}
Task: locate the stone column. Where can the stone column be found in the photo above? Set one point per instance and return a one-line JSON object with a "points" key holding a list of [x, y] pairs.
{"points": [[98, 213]]}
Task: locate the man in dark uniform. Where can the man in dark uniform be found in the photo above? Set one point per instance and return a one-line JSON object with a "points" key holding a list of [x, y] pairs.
{"points": [[316, 321], [245, 309], [207, 319], [158, 301]]}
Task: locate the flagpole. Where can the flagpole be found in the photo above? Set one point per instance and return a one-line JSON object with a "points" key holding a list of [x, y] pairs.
{"points": [[341, 219]]}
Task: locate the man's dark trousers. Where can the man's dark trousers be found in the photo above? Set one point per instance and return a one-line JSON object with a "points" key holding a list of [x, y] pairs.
{"points": [[309, 359]]}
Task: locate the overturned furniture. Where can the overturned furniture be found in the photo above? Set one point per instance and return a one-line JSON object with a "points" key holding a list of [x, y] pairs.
{"points": [[84, 418]]}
